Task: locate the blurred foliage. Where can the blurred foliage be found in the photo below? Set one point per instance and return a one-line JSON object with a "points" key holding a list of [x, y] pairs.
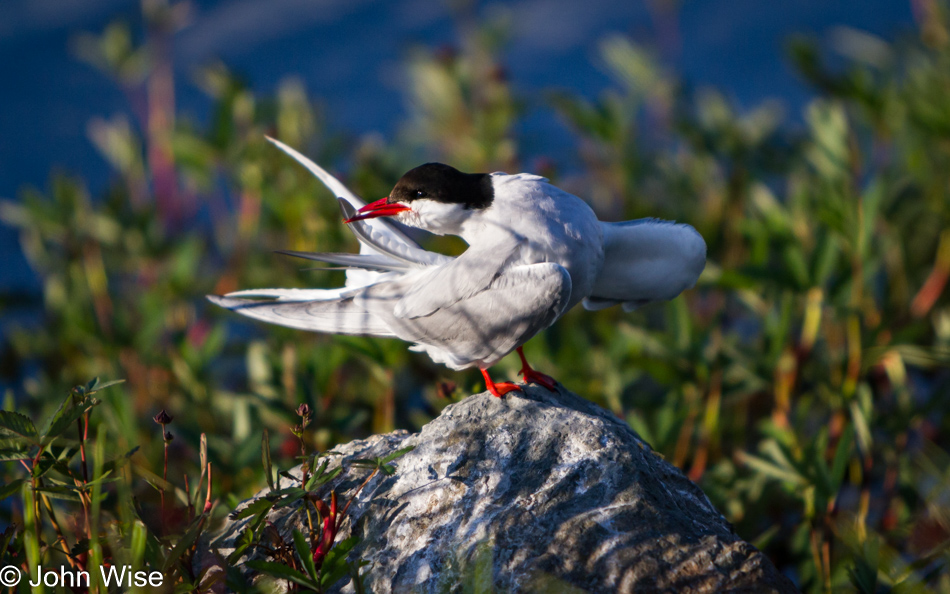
{"points": [[804, 383]]}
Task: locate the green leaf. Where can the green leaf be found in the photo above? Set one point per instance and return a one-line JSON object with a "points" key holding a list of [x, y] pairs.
{"points": [[14, 455], [260, 506], [305, 554], [842, 454], [334, 564], [794, 259], [103, 479], [771, 470], [861, 427], [359, 587], [397, 454], [64, 493], [100, 387], [184, 543], [81, 547], [312, 481], [16, 424], [243, 542], [119, 462], [65, 406], [278, 570], [5, 537], [346, 545], [64, 419], [293, 496], [186, 587], [823, 481], [45, 464], [327, 477], [365, 463], [265, 458], [11, 488], [781, 455]]}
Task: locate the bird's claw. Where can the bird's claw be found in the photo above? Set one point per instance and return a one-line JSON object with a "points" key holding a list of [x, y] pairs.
{"points": [[499, 389], [532, 376]]}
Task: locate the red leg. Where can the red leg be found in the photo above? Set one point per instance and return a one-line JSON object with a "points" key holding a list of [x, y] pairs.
{"points": [[501, 388], [531, 375]]}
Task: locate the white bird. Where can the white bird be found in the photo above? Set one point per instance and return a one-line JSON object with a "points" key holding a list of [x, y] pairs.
{"points": [[535, 251]]}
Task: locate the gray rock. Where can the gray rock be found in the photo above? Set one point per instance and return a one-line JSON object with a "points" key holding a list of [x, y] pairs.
{"points": [[536, 492]]}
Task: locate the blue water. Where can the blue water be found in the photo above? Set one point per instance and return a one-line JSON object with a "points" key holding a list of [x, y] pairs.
{"points": [[349, 53]]}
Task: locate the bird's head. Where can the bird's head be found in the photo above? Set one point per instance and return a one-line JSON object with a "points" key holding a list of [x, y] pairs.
{"points": [[434, 197]]}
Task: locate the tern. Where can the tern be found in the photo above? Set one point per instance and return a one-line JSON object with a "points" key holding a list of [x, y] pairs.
{"points": [[535, 251]]}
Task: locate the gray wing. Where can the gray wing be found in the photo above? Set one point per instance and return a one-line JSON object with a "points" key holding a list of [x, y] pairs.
{"points": [[459, 279], [481, 329], [333, 316], [646, 260], [374, 262]]}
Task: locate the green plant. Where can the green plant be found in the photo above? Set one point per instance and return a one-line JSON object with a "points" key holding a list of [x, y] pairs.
{"points": [[319, 562], [111, 527]]}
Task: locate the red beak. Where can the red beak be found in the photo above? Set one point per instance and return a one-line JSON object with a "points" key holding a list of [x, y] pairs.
{"points": [[380, 208]]}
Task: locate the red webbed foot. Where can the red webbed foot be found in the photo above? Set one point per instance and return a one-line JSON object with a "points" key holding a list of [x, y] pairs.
{"points": [[532, 376], [502, 388], [498, 389]]}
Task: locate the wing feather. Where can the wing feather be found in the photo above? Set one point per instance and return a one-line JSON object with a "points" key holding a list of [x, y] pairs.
{"points": [[374, 262], [381, 227], [481, 329], [459, 279], [335, 316], [341, 191], [387, 245]]}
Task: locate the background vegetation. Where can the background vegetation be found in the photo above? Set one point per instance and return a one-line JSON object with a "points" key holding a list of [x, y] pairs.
{"points": [[803, 384]]}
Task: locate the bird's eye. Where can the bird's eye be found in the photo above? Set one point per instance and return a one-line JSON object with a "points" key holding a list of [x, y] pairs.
{"points": [[420, 194]]}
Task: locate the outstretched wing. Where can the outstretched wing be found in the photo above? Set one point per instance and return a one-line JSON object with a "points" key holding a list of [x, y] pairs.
{"points": [[516, 304], [374, 262], [376, 236], [646, 260], [341, 315], [390, 245], [386, 253], [480, 329]]}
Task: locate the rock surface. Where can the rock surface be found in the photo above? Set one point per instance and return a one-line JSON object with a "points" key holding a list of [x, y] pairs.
{"points": [[550, 491]]}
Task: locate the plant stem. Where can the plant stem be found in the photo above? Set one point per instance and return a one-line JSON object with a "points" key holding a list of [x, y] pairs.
{"points": [[164, 472], [83, 429], [82, 445], [59, 531], [357, 492]]}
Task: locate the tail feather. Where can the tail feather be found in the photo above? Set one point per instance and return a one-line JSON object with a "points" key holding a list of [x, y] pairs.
{"points": [[646, 260]]}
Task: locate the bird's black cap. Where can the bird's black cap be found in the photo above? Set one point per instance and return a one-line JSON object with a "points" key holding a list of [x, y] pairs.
{"points": [[443, 183]]}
